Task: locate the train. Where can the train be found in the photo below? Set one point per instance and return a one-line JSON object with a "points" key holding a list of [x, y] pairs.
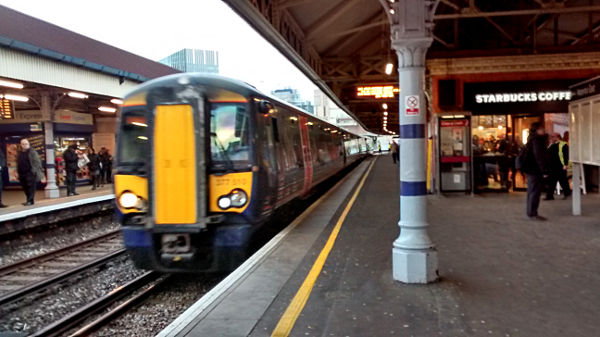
{"points": [[203, 161]]}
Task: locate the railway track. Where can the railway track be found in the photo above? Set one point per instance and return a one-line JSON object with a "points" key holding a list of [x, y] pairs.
{"points": [[129, 294], [37, 273]]}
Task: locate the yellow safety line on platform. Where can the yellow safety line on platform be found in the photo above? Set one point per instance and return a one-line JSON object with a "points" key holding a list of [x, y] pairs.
{"points": [[287, 321]]}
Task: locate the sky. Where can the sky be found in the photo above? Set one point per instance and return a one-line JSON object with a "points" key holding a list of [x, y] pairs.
{"points": [[156, 29]]}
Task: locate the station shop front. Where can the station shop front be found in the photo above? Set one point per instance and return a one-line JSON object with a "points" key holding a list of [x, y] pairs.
{"points": [[478, 147], [69, 127]]}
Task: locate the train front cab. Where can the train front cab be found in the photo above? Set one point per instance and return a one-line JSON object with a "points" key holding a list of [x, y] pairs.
{"points": [[185, 194]]}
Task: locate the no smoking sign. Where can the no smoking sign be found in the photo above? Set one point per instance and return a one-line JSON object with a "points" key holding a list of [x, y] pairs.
{"points": [[411, 105]]}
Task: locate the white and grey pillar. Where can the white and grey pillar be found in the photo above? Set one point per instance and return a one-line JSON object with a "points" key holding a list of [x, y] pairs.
{"points": [[51, 189], [414, 254]]}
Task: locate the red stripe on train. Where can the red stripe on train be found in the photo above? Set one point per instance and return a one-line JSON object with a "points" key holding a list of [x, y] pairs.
{"points": [[308, 167]]}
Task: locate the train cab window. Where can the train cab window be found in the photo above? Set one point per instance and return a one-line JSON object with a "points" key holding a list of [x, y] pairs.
{"points": [[133, 144], [230, 133]]}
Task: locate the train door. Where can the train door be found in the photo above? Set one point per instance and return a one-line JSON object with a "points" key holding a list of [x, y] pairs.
{"points": [[267, 158]]}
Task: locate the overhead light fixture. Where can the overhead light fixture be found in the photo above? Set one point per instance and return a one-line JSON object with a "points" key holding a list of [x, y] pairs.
{"points": [[384, 106], [385, 113], [392, 11], [107, 109], [11, 97], [116, 101], [389, 67], [385, 118], [79, 95], [500, 127], [480, 127], [11, 84]]}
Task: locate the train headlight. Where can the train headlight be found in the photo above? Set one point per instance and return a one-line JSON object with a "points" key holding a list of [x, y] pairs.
{"points": [[224, 202], [129, 200], [236, 198]]}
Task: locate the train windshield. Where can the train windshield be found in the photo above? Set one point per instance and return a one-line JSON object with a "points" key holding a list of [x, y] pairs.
{"points": [[134, 146], [230, 136]]}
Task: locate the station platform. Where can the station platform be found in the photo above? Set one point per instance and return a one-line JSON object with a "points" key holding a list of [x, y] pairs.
{"points": [[501, 274], [14, 198]]}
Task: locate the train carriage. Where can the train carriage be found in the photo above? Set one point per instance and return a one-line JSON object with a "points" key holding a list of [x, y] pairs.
{"points": [[203, 161]]}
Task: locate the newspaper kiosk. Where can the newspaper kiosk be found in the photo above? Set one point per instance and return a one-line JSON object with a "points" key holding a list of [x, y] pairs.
{"points": [[584, 120]]}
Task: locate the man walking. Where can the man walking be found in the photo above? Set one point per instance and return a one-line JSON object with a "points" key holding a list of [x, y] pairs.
{"points": [[29, 168], [394, 150], [71, 158], [558, 157], [535, 167]]}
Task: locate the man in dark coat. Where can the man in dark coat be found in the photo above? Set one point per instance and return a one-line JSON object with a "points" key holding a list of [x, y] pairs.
{"points": [[2, 167], [536, 169], [29, 168], [558, 160], [71, 158]]}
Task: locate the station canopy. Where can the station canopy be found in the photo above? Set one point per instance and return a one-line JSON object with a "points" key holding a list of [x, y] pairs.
{"points": [[344, 45]]}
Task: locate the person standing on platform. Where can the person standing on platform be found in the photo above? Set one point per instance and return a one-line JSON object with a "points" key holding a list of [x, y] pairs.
{"points": [[2, 166], [109, 163], [29, 168], [71, 158], [536, 168], [394, 150], [558, 158], [94, 167]]}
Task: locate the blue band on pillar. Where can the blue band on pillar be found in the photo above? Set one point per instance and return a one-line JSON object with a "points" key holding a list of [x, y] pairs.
{"points": [[50, 166], [49, 146], [412, 131], [413, 188]]}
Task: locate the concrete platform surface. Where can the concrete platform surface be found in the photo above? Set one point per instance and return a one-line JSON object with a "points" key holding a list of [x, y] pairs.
{"points": [[14, 198], [501, 273]]}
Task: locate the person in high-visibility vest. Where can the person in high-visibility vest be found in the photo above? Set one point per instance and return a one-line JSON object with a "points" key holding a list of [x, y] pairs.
{"points": [[558, 157]]}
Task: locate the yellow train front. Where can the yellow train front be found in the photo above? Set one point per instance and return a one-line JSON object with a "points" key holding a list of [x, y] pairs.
{"points": [[202, 162]]}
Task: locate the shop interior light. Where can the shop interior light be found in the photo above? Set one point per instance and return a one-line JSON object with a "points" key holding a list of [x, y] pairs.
{"points": [[500, 127], [11, 97], [11, 84], [107, 109], [79, 95], [480, 127], [116, 101], [390, 66]]}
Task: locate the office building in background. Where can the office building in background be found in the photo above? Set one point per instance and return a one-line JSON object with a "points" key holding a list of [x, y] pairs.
{"points": [[194, 60]]}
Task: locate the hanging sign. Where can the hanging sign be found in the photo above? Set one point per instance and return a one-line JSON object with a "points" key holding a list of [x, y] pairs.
{"points": [[411, 105]]}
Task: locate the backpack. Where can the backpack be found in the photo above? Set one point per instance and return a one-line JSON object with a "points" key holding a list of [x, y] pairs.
{"points": [[521, 161]]}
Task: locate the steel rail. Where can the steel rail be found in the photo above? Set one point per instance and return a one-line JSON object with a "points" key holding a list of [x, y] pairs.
{"points": [[9, 268], [70, 321], [15, 295]]}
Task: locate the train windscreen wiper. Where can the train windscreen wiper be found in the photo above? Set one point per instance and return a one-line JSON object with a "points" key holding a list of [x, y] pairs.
{"points": [[224, 155]]}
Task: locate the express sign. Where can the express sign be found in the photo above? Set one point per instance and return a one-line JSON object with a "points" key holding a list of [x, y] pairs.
{"points": [[544, 96]]}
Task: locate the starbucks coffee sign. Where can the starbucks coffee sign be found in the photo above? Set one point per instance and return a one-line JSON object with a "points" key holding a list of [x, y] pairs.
{"points": [[543, 96]]}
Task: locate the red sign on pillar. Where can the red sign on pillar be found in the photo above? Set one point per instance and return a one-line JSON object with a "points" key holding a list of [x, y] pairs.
{"points": [[411, 105]]}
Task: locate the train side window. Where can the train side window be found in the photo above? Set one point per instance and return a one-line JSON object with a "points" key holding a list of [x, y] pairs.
{"points": [[275, 129]]}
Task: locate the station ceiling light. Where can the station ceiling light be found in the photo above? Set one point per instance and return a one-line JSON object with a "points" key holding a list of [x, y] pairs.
{"points": [[385, 113], [11, 84], [11, 97], [116, 101], [384, 106], [79, 95], [390, 66], [107, 109], [392, 11]]}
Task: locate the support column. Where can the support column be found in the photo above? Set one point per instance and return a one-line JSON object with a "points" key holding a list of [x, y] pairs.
{"points": [[576, 194], [414, 254], [51, 189]]}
